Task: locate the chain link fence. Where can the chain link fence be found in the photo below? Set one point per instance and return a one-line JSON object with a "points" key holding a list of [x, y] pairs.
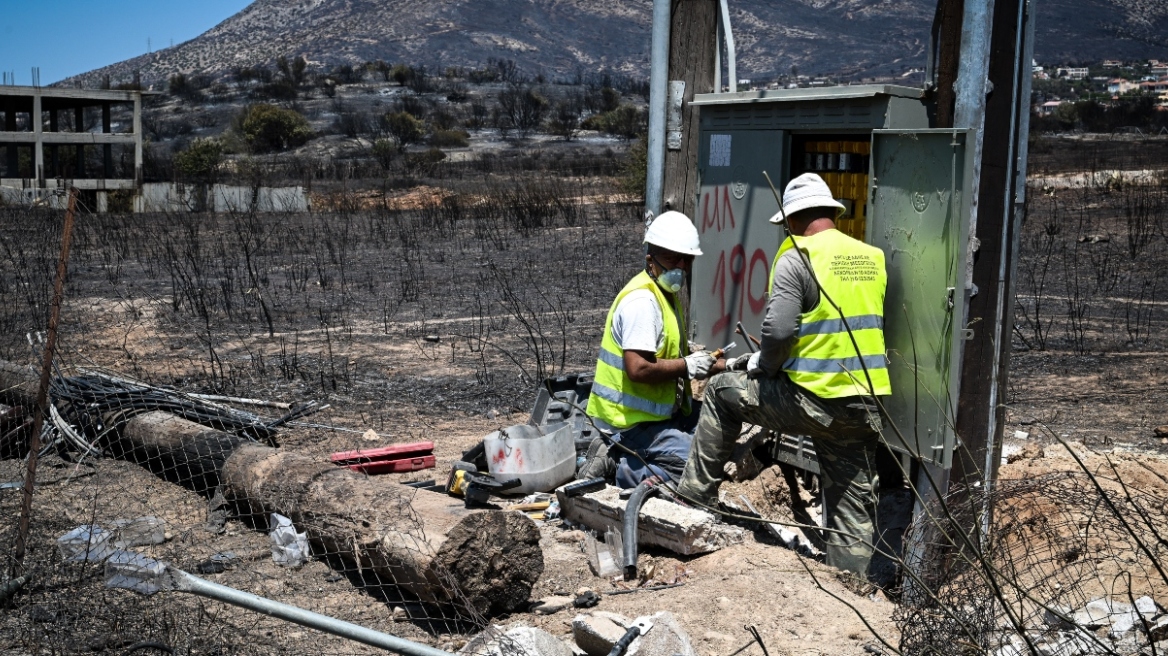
{"points": [[1069, 563], [209, 365]]}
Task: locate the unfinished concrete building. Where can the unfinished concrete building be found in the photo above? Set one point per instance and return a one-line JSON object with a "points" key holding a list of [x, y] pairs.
{"points": [[56, 138]]}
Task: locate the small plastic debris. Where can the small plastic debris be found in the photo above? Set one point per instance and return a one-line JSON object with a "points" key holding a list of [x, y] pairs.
{"points": [[217, 563], [133, 571], [289, 548], [137, 532], [553, 511], [85, 543]]}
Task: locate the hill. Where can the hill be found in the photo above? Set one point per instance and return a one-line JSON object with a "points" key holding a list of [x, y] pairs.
{"points": [[852, 38]]}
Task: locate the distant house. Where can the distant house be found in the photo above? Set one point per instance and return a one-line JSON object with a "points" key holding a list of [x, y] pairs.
{"points": [[1157, 68], [1048, 108], [1072, 73], [1112, 63], [1156, 87], [1118, 85]]}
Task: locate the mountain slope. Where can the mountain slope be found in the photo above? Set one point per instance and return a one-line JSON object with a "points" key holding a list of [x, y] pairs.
{"points": [[558, 37]]}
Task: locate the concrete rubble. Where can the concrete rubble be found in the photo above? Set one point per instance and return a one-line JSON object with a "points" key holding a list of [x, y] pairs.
{"points": [[517, 640], [596, 632], [686, 531], [1101, 626]]}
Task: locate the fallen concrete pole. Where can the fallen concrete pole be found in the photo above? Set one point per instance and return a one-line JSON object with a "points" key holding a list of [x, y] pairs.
{"points": [[662, 523], [427, 543]]}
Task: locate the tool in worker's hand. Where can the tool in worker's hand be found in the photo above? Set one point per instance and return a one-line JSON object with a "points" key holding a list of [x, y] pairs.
{"points": [[722, 351], [751, 340], [638, 628]]}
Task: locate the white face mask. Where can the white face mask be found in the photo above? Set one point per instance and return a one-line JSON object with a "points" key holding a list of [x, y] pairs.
{"points": [[670, 280]]}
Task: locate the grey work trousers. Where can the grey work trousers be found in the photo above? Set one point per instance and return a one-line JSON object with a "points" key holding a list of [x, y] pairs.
{"points": [[843, 431]]}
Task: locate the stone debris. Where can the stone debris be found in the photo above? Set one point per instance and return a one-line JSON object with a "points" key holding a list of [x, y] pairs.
{"points": [[666, 638], [400, 614], [1101, 626], [551, 605], [597, 631], [570, 537], [518, 640]]}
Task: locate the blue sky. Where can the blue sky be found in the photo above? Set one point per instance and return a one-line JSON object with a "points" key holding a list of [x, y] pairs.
{"points": [[67, 37]]}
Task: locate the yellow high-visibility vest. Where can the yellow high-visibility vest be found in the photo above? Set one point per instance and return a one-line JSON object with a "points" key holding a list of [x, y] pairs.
{"points": [[615, 398], [823, 360]]}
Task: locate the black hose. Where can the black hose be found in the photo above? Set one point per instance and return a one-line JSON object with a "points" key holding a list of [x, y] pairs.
{"points": [[646, 489], [618, 649]]}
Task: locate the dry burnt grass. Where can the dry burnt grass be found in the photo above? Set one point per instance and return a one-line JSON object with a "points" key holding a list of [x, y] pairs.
{"points": [[431, 316], [1092, 295]]}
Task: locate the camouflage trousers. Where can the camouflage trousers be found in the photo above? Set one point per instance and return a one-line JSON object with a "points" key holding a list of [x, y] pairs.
{"points": [[845, 435]]}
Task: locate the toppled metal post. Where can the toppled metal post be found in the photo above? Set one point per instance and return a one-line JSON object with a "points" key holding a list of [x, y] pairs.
{"points": [[146, 575]]}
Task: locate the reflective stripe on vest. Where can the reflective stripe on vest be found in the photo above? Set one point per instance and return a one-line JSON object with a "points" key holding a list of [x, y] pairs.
{"points": [[615, 398], [824, 360]]}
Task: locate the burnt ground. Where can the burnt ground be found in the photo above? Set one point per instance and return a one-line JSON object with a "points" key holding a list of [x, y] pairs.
{"points": [[509, 278]]}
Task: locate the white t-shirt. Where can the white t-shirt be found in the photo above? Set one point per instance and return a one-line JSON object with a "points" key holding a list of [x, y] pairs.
{"points": [[637, 324]]}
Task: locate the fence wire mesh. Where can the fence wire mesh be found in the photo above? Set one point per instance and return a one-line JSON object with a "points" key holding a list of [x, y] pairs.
{"points": [[1065, 568], [207, 367]]}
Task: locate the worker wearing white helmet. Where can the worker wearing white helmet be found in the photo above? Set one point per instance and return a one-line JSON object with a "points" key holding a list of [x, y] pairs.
{"points": [[641, 388]]}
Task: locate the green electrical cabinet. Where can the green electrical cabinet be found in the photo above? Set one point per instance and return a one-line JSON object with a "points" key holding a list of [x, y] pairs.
{"points": [[905, 188]]}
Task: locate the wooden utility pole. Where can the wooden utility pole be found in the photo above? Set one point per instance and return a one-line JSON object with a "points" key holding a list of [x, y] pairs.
{"points": [[947, 34], [693, 42], [430, 544]]}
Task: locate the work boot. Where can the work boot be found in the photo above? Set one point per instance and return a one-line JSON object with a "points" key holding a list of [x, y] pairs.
{"points": [[597, 464]]}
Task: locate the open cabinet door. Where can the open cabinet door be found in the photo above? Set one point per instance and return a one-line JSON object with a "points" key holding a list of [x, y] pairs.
{"points": [[738, 243], [919, 217]]}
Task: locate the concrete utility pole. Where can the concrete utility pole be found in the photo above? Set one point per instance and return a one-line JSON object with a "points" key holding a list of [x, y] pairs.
{"points": [[693, 44]]}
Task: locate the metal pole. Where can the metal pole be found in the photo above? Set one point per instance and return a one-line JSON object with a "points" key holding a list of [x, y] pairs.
{"points": [[970, 87], [658, 98], [728, 34], [185, 582], [42, 399]]}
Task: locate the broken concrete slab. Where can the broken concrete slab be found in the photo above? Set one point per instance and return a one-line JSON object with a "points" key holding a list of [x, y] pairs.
{"points": [[1147, 607], [597, 631], [519, 640], [665, 638], [686, 531]]}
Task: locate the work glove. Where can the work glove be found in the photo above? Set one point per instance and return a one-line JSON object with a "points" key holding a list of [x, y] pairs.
{"points": [[753, 370], [697, 365], [737, 363]]}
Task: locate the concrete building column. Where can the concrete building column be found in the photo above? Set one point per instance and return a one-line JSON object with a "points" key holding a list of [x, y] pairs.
{"points": [[138, 140], [13, 152], [54, 149], [107, 149], [79, 152], [39, 146]]}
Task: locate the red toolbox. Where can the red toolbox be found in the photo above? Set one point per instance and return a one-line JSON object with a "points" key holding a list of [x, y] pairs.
{"points": [[388, 460]]}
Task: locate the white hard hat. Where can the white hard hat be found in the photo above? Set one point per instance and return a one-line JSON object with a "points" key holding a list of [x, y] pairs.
{"points": [[804, 192], [674, 231]]}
